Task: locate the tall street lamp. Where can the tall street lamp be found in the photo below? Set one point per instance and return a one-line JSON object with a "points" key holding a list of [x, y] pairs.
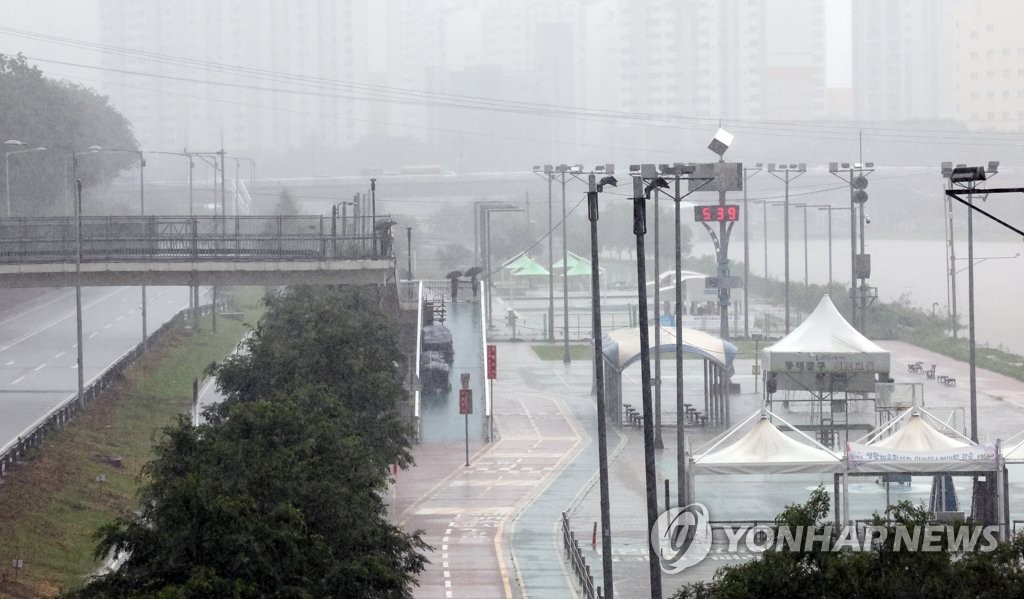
{"points": [[677, 171], [855, 174], [7, 167], [746, 247], [548, 173], [789, 173], [830, 209], [967, 178], [594, 188], [640, 195]]}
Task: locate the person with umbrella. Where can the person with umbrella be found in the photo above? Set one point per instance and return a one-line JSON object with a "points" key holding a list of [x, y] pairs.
{"points": [[384, 231], [472, 273], [454, 276]]}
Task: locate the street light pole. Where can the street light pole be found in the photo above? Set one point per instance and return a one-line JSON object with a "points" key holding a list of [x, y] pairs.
{"points": [[639, 229], [602, 442], [790, 173], [566, 358], [746, 247]]}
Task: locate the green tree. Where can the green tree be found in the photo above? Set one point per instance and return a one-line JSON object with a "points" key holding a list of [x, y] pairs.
{"points": [[280, 497], [336, 337], [65, 118]]}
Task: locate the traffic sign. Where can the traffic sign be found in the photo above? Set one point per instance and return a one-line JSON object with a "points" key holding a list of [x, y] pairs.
{"points": [[465, 401], [726, 282], [492, 361]]}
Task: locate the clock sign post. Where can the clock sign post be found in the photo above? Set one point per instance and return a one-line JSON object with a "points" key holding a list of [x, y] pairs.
{"points": [[725, 176]]}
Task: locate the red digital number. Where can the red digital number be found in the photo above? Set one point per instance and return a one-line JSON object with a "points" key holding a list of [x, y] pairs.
{"points": [[731, 213], [705, 213]]}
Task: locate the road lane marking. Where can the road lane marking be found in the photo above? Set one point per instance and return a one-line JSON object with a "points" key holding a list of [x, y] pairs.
{"points": [[40, 367], [11, 363], [57, 356], [94, 333], [17, 380], [55, 322]]}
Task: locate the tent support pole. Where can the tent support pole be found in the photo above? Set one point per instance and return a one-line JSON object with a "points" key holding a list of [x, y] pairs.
{"points": [[846, 498], [835, 497]]}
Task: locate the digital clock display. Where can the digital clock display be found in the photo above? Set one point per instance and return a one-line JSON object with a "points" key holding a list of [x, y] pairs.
{"points": [[716, 213]]}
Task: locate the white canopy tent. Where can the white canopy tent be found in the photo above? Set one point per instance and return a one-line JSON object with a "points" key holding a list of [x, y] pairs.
{"points": [[763, 449], [917, 441], [825, 353]]}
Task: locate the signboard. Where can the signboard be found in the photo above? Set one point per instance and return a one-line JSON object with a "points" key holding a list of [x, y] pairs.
{"points": [[726, 176], [492, 361], [465, 401], [716, 213], [876, 459], [727, 282]]}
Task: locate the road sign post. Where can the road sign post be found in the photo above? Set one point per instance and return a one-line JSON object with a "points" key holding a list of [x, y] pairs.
{"points": [[492, 373], [466, 407]]}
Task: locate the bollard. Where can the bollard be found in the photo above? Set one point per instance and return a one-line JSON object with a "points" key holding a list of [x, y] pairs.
{"points": [[593, 538]]}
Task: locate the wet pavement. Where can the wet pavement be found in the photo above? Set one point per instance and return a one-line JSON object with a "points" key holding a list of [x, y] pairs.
{"points": [[495, 524]]}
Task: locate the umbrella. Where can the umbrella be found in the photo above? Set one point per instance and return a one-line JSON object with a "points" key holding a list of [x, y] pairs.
{"points": [[473, 271], [385, 224], [454, 274]]}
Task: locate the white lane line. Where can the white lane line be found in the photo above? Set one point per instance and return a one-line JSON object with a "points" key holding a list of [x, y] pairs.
{"points": [[59, 355], [93, 334], [108, 326], [11, 363], [119, 318], [40, 367], [57, 321], [17, 380]]}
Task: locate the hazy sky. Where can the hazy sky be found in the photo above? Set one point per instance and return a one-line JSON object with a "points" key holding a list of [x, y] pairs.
{"points": [[78, 19]]}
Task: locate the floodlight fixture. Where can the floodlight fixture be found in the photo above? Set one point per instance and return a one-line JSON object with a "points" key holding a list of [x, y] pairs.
{"points": [[993, 167], [634, 169], [609, 180], [967, 174], [656, 183], [947, 169], [548, 168], [536, 168], [721, 142]]}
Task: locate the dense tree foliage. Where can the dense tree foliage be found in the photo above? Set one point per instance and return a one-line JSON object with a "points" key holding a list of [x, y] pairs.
{"points": [[886, 571], [280, 493], [64, 118]]}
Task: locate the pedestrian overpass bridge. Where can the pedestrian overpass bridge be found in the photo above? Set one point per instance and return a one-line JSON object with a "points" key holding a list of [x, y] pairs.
{"points": [[195, 250]]}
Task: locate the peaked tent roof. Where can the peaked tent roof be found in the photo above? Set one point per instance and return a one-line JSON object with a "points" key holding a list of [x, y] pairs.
{"points": [[825, 330], [824, 333], [917, 435], [765, 449], [918, 445], [571, 259], [622, 346], [517, 262], [1016, 453], [530, 268]]}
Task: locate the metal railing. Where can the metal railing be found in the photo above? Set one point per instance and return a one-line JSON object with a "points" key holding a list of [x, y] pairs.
{"points": [[578, 562], [197, 238], [67, 409]]}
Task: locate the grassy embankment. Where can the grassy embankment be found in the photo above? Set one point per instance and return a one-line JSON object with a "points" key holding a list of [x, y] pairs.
{"points": [[51, 505]]}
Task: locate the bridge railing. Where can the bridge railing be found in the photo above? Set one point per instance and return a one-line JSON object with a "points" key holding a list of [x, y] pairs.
{"points": [[196, 238]]}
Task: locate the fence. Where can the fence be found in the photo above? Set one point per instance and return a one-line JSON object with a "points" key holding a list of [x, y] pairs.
{"points": [[174, 238], [63, 413], [578, 562]]}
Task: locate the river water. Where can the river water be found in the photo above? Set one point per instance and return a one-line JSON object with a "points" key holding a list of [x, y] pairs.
{"points": [[915, 269]]}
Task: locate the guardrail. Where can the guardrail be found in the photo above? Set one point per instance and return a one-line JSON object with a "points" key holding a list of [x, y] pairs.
{"points": [[197, 238], [578, 562], [63, 413]]}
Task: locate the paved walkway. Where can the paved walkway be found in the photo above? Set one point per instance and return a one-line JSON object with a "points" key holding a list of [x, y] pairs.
{"points": [[494, 525]]}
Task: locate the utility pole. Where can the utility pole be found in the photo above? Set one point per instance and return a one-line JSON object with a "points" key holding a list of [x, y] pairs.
{"points": [[855, 175], [746, 248], [790, 172]]}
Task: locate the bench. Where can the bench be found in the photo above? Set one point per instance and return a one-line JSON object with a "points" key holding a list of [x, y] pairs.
{"points": [[949, 381]]}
